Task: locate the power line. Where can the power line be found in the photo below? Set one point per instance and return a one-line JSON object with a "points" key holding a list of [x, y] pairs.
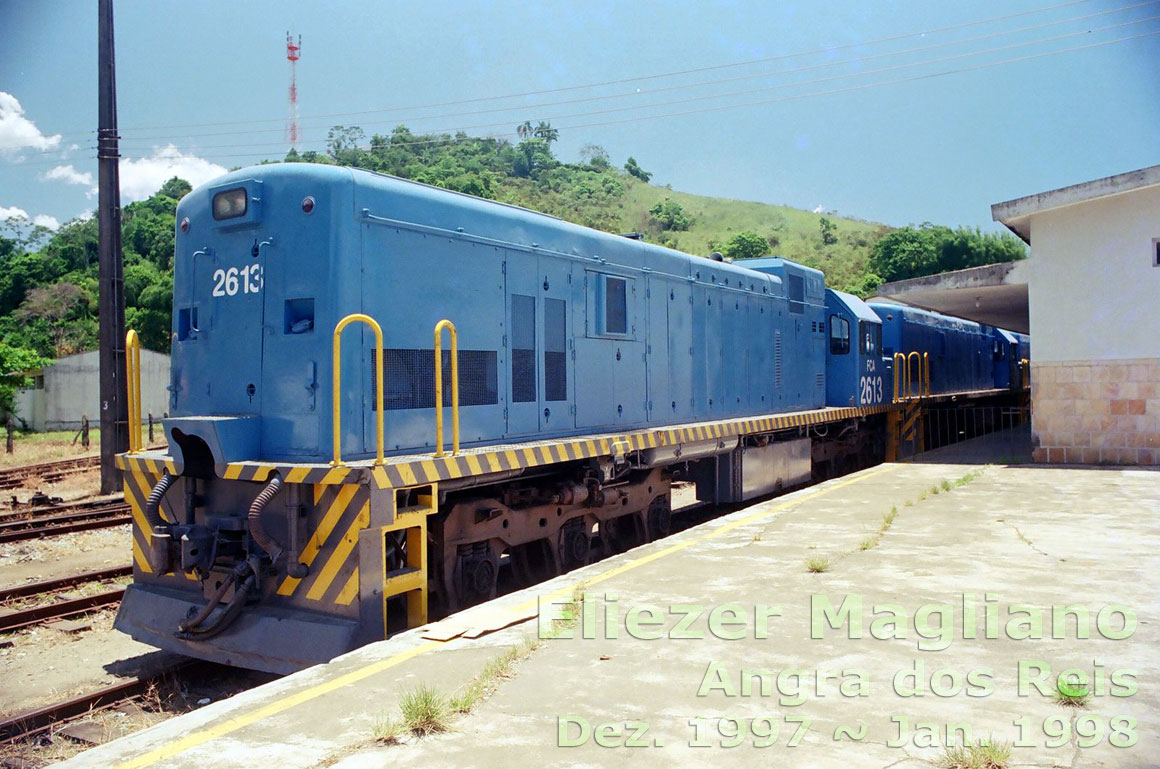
{"points": [[638, 93], [793, 97], [638, 78], [765, 89]]}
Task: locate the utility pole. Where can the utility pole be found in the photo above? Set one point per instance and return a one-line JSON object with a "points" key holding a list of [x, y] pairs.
{"points": [[111, 307]]}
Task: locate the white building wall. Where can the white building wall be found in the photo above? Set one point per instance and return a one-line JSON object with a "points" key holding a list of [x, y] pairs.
{"points": [[72, 390], [1095, 294]]}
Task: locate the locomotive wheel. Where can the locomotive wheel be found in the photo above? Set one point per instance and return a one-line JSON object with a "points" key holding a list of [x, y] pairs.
{"points": [[574, 547], [476, 573], [660, 518]]}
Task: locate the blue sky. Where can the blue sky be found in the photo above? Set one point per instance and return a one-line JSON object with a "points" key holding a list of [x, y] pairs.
{"points": [[202, 86]]}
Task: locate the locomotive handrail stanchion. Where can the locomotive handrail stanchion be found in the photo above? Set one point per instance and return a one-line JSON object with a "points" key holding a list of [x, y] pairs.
{"points": [[446, 324], [357, 317], [926, 370], [1025, 372], [899, 369], [910, 389], [133, 388]]}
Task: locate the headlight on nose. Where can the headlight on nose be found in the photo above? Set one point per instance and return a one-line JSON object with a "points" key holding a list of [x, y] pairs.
{"points": [[229, 204]]}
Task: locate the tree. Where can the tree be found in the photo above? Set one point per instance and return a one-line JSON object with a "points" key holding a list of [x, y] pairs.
{"points": [[342, 142], [532, 155], [746, 245], [633, 169], [670, 215], [15, 364], [595, 156], [912, 252], [904, 253], [828, 229], [176, 188], [524, 130], [546, 132]]}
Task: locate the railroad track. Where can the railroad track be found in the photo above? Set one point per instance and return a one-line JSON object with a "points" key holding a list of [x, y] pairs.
{"points": [[63, 519], [33, 722], [14, 619], [13, 477]]}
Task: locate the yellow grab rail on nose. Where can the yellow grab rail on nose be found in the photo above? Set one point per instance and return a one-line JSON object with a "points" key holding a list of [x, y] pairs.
{"points": [[357, 317], [926, 369], [446, 324], [133, 388]]}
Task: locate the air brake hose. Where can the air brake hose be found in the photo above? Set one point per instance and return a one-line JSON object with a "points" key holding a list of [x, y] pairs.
{"points": [[153, 503], [268, 544], [191, 629]]}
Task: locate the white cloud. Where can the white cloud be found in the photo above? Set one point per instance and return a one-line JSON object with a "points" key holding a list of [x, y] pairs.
{"points": [[18, 132], [142, 177], [820, 210], [12, 212], [21, 220], [70, 175]]}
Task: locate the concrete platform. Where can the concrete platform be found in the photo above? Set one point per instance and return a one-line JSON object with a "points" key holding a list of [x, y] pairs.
{"points": [[1015, 535]]}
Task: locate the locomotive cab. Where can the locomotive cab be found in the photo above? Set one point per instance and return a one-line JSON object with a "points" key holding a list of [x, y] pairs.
{"points": [[856, 374]]}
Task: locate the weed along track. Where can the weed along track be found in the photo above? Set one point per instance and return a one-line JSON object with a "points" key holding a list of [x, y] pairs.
{"points": [[64, 728], [38, 602]]}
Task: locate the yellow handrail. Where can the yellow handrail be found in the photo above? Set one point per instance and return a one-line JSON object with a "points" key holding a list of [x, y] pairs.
{"points": [[357, 317], [910, 379], [900, 367], [1025, 372], [133, 388], [446, 324], [903, 373]]}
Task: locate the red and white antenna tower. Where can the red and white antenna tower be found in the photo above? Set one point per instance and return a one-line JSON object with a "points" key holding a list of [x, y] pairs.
{"points": [[293, 53]]}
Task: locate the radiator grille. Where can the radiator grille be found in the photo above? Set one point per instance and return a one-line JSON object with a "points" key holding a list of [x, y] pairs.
{"points": [[410, 378], [555, 347], [523, 348], [777, 359]]}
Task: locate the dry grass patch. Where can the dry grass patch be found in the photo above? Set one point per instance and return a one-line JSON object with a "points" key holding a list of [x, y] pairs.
{"points": [[983, 754]]}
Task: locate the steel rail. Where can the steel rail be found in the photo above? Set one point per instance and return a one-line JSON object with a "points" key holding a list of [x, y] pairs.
{"points": [[34, 721], [60, 583], [21, 618]]}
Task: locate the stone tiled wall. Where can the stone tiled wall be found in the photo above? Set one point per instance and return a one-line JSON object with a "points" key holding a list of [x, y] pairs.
{"points": [[1096, 412]]}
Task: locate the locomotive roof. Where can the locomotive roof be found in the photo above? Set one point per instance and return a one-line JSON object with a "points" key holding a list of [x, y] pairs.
{"points": [[410, 202], [932, 318], [860, 309]]}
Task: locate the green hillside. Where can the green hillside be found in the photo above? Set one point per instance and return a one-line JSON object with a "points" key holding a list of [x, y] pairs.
{"points": [[789, 232], [48, 280]]}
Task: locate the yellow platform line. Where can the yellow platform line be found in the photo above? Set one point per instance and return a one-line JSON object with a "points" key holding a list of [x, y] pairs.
{"points": [[314, 692]]}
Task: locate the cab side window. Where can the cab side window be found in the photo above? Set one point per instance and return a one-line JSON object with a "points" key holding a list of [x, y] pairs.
{"points": [[869, 338], [839, 335]]}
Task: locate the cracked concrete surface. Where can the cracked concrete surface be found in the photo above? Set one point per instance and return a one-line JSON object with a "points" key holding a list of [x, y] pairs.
{"points": [[1027, 535]]}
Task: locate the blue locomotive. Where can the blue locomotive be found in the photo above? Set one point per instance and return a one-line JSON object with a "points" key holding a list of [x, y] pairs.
{"points": [[305, 500]]}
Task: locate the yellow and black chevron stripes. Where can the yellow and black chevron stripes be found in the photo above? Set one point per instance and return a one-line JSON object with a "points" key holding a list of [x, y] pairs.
{"points": [[137, 486], [154, 465], [340, 513], [138, 483], [401, 472]]}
